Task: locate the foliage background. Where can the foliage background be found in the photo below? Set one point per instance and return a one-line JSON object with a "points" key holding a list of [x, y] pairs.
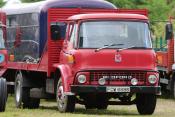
{"points": [[159, 10]]}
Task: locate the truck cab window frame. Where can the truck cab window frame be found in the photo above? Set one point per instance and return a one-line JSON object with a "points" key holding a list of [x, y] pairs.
{"points": [[132, 33], [73, 34]]}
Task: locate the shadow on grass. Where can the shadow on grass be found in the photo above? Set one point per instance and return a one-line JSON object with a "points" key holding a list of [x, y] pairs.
{"points": [[83, 111], [48, 107]]}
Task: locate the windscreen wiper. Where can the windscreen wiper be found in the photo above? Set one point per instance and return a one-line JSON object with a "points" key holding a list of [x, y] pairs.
{"points": [[107, 46], [132, 47]]}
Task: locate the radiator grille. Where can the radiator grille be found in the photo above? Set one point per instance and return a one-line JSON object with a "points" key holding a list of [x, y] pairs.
{"points": [[118, 77]]}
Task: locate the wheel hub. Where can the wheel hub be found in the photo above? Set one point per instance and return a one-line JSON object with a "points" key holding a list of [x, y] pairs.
{"points": [[18, 91], [60, 97]]}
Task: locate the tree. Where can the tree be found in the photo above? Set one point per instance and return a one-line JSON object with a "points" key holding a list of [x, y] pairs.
{"points": [[129, 4], [1, 3], [31, 0], [158, 10]]}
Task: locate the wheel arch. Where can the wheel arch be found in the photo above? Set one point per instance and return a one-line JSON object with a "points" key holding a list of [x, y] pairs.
{"points": [[64, 72]]}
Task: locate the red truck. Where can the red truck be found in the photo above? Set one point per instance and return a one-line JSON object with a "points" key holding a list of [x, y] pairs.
{"points": [[84, 52], [3, 62], [165, 60]]}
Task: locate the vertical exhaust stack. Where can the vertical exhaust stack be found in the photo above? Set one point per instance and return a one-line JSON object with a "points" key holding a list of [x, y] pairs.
{"points": [[170, 54]]}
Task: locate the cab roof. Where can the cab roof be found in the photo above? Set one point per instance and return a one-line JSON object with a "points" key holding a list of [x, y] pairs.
{"points": [[108, 16]]}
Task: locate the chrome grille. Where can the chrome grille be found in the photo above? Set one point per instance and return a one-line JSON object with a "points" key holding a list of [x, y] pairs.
{"points": [[118, 77]]}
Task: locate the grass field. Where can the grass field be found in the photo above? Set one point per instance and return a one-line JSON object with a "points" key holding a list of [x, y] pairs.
{"points": [[165, 108]]}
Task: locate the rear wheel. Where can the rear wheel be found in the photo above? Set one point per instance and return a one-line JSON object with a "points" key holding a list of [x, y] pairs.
{"points": [[22, 95], [65, 103], [28, 102], [146, 103], [3, 94], [18, 90]]}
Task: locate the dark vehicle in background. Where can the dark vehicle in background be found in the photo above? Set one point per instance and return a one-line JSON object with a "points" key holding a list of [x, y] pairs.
{"points": [[3, 62]]}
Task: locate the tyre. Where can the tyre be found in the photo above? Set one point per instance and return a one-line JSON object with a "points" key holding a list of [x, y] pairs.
{"points": [[65, 103], [28, 102], [22, 95], [3, 94], [18, 90], [146, 103]]}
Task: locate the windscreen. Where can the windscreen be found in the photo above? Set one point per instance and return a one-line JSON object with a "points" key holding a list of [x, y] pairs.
{"points": [[96, 34]]}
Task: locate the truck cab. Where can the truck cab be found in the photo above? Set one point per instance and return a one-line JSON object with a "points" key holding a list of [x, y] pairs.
{"points": [[81, 51], [107, 56]]}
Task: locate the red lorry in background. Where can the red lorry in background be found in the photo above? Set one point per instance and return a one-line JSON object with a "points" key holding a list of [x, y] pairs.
{"points": [[3, 62], [165, 60], [86, 53]]}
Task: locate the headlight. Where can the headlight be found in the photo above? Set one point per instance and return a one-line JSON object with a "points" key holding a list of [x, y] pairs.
{"points": [[81, 79], [152, 79], [134, 81], [2, 58], [102, 81]]}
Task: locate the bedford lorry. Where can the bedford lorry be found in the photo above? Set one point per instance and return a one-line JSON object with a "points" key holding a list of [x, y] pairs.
{"points": [[85, 52]]}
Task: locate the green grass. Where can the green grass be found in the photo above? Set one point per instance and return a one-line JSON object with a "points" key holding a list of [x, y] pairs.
{"points": [[165, 108]]}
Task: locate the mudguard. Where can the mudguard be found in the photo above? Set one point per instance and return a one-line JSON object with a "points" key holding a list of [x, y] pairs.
{"points": [[2, 71], [66, 76]]}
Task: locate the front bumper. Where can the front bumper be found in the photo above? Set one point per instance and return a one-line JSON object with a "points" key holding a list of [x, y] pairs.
{"points": [[103, 89]]}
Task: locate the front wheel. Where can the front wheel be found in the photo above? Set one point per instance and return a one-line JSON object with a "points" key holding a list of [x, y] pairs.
{"points": [[65, 103], [146, 103], [3, 94]]}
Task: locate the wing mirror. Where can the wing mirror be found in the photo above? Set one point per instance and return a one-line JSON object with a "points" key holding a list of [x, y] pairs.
{"points": [[55, 32]]}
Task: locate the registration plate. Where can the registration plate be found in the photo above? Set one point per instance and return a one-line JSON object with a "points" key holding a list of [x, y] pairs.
{"points": [[118, 89]]}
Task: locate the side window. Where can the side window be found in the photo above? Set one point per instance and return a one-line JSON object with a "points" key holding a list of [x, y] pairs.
{"points": [[11, 21], [72, 32], [23, 35]]}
